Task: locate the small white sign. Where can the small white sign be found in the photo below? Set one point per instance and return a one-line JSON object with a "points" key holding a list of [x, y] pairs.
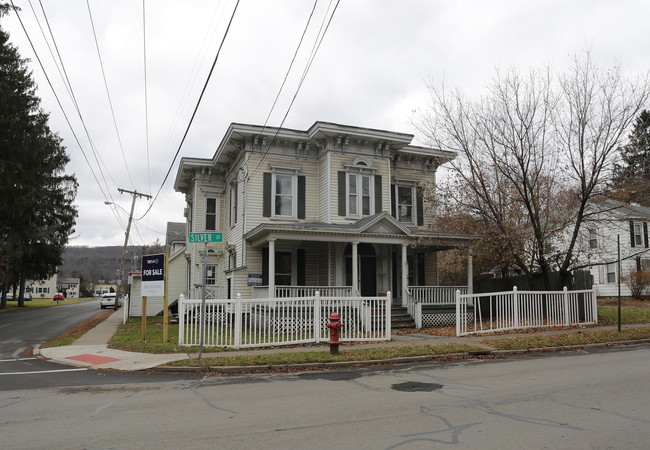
{"points": [[153, 288]]}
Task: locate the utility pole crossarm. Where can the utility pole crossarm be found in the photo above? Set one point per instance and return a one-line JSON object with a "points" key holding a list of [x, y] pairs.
{"points": [[135, 195]]}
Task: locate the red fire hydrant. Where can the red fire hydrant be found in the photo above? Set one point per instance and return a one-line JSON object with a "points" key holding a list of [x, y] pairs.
{"points": [[335, 327]]}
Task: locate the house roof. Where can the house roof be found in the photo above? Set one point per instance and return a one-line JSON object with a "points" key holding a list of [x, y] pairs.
{"points": [[624, 211], [228, 148], [379, 228]]}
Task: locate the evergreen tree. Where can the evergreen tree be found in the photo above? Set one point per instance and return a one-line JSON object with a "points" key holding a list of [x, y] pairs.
{"points": [[632, 176], [36, 195]]}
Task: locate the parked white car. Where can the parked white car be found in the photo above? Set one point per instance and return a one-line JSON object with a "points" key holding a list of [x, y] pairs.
{"points": [[108, 300]]}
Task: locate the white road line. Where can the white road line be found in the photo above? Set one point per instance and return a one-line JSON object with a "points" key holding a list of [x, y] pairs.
{"points": [[16, 359], [44, 371]]}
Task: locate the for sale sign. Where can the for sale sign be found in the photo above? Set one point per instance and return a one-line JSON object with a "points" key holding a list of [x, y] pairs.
{"points": [[153, 275]]}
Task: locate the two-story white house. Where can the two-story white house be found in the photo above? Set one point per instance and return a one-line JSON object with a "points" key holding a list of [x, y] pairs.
{"points": [[609, 222], [340, 209]]}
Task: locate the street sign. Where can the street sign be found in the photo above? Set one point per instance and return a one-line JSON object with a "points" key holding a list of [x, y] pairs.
{"points": [[205, 237], [153, 275]]}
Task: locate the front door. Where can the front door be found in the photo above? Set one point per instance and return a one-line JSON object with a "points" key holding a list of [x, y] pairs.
{"points": [[368, 276], [367, 269]]}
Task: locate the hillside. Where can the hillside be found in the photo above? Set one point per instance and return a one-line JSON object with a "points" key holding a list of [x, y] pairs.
{"points": [[94, 263]]}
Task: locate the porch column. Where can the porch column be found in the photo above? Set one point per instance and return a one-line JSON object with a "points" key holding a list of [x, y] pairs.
{"points": [[271, 268], [355, 266], [405, 274], [470, 270]]}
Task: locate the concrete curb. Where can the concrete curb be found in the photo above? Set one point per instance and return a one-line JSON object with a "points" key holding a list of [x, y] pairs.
{"points": [[375, 362]]}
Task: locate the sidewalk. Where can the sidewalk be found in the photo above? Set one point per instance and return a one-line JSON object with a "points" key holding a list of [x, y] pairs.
{"points": [[91, 350]]}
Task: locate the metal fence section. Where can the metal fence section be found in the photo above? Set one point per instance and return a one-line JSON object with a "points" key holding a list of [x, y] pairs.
{"points": [[258, 322], [500, 311]]}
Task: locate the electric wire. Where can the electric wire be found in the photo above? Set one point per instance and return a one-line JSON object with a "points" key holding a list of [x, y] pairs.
{"points": [[189, 125], [108, 94], [315, 48], [74, 99], [189, 85], [146, 96], [49, 82]]}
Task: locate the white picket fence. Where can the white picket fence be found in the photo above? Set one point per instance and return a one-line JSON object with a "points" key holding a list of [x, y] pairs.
{"points": [[499, 311], [418, 297], [241, 323]]}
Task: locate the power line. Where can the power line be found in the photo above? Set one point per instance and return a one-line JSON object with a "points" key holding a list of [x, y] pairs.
{"points": [[73, 96], [49, 82], [216, 58], [317, 44], [108, 94], [146, 104]]}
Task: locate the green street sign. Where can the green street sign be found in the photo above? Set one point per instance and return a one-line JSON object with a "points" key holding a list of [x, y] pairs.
{"points": [[205, 237]]}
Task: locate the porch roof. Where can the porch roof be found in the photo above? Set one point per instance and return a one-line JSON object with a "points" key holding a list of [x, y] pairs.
{"points": [[380, 228]]}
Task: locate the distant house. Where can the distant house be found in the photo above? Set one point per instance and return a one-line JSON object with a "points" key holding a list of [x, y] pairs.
{"points": [[69, 287], [339, 209], [101, 289], [42, 288], [608, 222]]}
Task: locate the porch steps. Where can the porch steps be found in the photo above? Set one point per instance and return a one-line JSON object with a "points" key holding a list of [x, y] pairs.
{"points": [[400, 319]]}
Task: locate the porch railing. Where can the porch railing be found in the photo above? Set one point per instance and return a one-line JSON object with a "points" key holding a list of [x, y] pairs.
{"points": [[305, 291], [499, 311], [417, 296], [241, 323]]}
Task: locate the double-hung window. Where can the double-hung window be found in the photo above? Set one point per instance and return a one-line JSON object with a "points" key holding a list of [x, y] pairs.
{"points": [[284, 195], [638, 234], [210, 275], [611, 273], [405, 195], [593, 239], [233, 204], [211, 214], [360, 194], [359, 189]]}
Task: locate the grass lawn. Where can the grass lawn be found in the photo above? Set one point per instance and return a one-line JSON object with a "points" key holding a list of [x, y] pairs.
{"points": [[608, 315], [325, 356], [558, 340], [76, 332], [40, 303], [129, 337]]}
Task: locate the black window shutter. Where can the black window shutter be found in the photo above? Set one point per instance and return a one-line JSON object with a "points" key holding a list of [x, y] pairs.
{"points": [[266, 195], [265, 266], [341, 192], [301, 197], [420, 205], [378, 194], [393, 200], [645, 233], [301, 267], [631, 233]]}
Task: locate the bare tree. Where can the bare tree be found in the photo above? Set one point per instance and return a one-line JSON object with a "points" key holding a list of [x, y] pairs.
{"points": [[534, 151]]}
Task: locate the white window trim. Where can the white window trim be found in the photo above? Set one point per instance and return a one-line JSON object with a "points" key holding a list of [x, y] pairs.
{"points": [[414, 201], [216, 212], [294, 191], [214, 277], [592, 236], [638, 243], [233, 205], [607, 272], [371, 185]]}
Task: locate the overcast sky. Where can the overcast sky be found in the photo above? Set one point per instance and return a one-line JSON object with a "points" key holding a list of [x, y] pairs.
{"points": [[371, 70]]}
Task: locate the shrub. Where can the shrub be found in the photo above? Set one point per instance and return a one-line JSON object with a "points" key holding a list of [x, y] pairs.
{"points": [[638, 282]]}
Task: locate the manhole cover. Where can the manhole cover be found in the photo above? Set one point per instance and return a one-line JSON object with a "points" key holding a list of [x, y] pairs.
{"points": [[414, 386]]}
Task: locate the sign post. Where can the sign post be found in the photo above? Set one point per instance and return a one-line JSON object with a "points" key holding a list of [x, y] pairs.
{"points": [[196, 238], [153, 283]]}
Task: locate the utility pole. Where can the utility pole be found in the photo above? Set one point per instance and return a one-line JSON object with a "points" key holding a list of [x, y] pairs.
{"points": [[135, 194]]}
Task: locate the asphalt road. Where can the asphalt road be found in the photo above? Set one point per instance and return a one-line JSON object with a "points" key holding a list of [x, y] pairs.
{"points": [[21, 330], [595, 399]]}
